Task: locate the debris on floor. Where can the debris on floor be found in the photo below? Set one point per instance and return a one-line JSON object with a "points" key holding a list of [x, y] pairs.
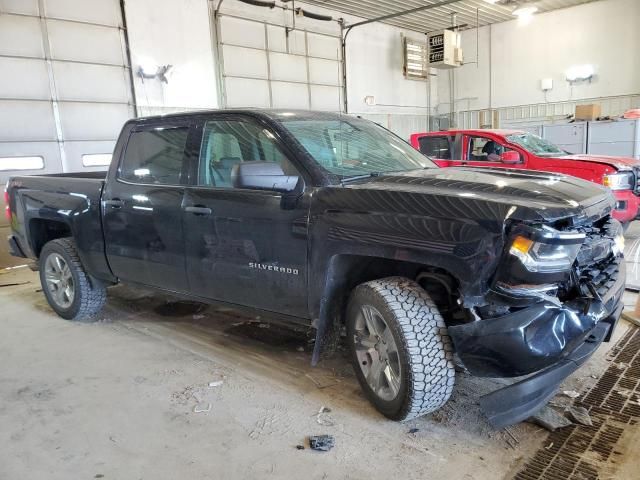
{"points": [[217, 383], [323, 443], [13, 284], [414, 430], [580, 415], [300, 447], [323, 419], [550, 419], [200, 408], [571, 393]]}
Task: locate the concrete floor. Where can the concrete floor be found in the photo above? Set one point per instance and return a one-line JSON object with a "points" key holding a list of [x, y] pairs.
{"points": [[119, 398]]}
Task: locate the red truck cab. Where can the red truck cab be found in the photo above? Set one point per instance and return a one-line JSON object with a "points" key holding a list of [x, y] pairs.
{"points": [[521, 149]]}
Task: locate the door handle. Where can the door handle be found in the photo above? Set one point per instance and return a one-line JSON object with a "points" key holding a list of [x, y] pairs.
{"points": [[114, 203], [198, 210]]}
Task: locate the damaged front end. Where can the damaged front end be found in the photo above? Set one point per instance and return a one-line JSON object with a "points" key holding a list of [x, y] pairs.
{"points": [[556, 296]]}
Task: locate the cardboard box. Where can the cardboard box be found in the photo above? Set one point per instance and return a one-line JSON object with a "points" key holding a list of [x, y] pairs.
{"points": [[587, 112]]}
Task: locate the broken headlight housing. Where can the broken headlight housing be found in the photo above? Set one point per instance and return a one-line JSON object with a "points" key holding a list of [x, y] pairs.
{"points": [[546, 250]]}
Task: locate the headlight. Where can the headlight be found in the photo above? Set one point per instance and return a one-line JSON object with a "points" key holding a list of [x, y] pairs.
{"points": [[619, 181], [547, 250]]}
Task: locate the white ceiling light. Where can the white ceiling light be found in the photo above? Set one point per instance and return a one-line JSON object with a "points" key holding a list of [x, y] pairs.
{"points": [[524, 13]]}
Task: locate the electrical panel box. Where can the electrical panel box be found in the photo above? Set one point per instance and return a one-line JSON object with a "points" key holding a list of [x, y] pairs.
{"points": [[444, 49]]}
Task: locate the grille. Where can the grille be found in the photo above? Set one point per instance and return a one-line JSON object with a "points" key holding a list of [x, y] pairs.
{"points": [[636, 172]]}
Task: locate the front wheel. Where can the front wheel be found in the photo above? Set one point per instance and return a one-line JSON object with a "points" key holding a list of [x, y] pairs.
{"points": [[400, 348], [69, 290]]}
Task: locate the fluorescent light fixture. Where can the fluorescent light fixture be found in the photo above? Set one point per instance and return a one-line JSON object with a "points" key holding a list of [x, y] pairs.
{"points": [[524, 13], [96, 159], [21, 163], [580, 73]]}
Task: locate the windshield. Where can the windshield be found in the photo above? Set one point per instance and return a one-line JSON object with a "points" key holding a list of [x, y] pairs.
{"points": [[353, 147], [536, 145]]}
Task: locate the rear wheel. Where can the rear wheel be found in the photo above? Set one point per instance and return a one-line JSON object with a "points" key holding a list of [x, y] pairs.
{"points": [[69, 290], [400, 349]]}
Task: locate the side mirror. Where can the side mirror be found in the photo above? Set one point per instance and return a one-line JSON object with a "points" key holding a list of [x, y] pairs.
{"points": [[261, 175], [510, 156]]}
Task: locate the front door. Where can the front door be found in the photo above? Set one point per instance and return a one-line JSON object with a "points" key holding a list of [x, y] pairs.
{"points": [[243, 246], [142, 208]]}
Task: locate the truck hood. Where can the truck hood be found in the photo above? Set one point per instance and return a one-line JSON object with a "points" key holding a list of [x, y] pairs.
{"points": [[620, 163], [535, 196]]}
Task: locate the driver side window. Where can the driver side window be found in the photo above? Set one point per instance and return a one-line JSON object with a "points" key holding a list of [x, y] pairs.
{"points": [[482, 149], [227, 143]]}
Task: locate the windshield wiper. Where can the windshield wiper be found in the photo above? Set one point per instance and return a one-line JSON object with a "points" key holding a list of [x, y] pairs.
{"points": [[345, 180]]}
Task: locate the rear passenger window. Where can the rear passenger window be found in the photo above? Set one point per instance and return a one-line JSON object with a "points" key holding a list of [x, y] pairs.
{"points": [[436, 147], [226, 143], [156, 156]]}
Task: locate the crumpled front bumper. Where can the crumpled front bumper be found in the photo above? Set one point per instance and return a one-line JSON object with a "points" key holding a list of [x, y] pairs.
{"points": [[544, 339]]}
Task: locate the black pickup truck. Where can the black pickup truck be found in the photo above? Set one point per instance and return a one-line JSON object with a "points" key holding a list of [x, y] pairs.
{"points": [[333, 222]]}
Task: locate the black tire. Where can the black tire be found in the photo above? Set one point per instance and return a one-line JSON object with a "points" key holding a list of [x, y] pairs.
{"points": [[424, 348], [90, 295]]}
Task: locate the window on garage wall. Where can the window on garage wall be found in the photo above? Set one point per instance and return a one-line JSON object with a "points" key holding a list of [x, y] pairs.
{"points": [[64, 88], [262, 66]]}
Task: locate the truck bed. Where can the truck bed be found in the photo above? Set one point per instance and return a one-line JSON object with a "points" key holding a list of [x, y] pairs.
{"points": [[44, 207]]}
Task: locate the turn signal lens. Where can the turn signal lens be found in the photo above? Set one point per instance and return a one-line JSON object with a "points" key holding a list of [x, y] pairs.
{"points": [[521, 244]]}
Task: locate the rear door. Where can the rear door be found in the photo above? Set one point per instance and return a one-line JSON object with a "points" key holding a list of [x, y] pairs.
{"points": [[244, 246], [438, 147], [142, 207]]}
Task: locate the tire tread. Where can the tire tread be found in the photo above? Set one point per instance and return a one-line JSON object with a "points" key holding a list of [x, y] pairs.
{"points": [[431, 372]]}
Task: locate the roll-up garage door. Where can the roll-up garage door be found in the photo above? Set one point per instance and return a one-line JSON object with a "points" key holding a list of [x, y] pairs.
{"points": [[65, 88], [262, 66]]}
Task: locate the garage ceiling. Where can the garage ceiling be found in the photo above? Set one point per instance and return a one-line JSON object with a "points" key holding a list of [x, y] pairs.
{"points": [[439, 17]]}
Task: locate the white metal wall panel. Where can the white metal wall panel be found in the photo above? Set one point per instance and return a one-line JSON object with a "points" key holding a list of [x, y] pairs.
{"points": [[288, 67], [85, 43], [86, 82], [26, 121], [25, 7], [323, 46], [75, 150], [326, 98], [245, 62], [277, 38], [103, 12], [87, 121], [236, 31], [20, 36], [290, 95], [324, 72], [24, 79], [296, 67], [613, 138], [48, 150], [244, 92], [570, 137]]}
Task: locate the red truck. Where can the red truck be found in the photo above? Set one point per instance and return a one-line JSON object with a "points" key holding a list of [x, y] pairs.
{"points": [[520, 149]]}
